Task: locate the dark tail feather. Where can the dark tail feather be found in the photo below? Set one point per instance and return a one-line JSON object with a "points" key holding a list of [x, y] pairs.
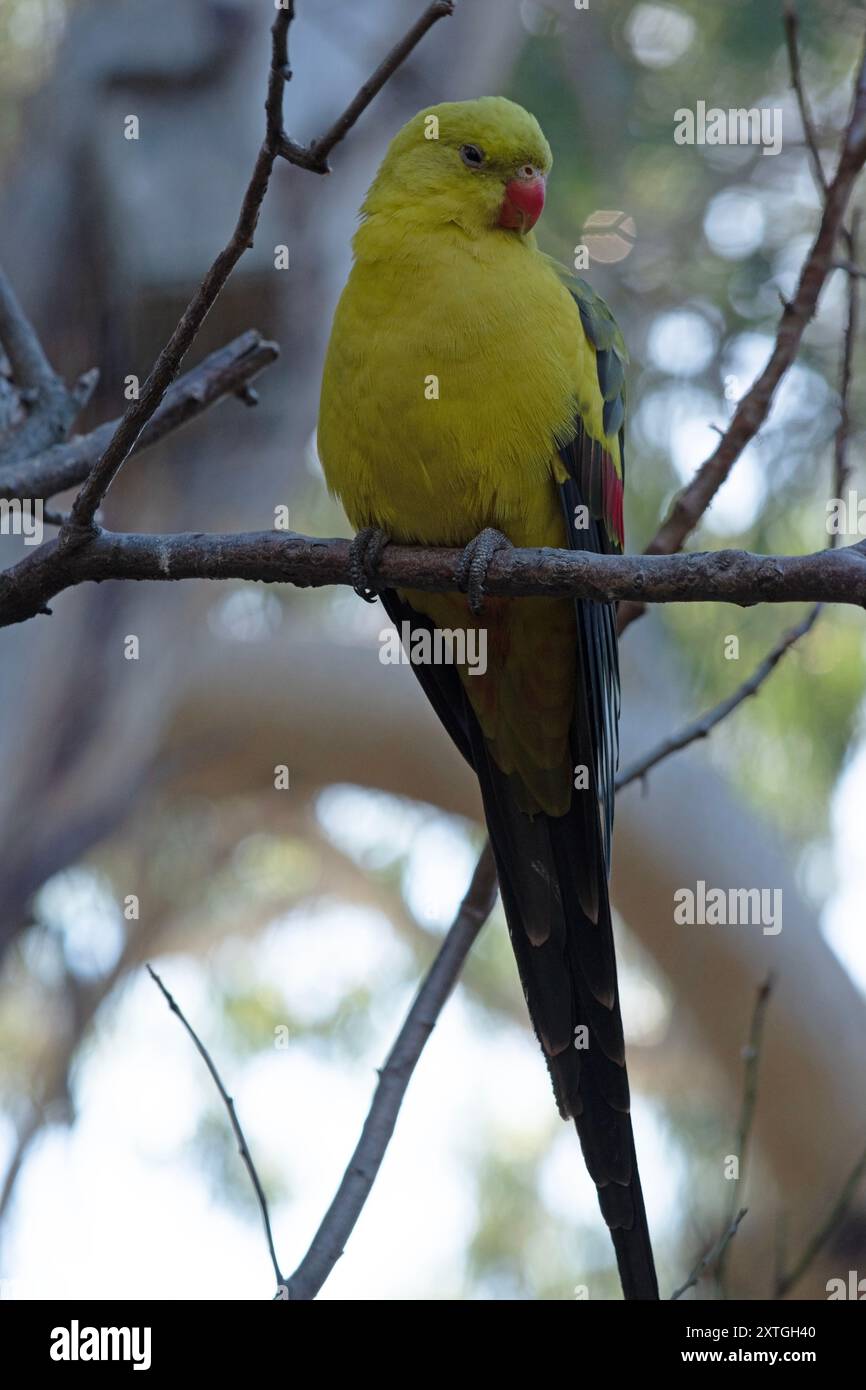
{"points": [[553, 881], [568, 971], [634, 1253]]}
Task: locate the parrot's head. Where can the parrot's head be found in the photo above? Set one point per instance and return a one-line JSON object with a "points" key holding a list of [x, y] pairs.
{"points": [[481, 165]]}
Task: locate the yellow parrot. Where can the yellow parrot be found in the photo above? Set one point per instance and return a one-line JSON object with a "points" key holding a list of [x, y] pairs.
{"points": [[473, 395]]}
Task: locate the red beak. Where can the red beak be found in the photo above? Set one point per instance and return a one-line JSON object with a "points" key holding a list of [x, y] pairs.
{"points": [[523, 203]]}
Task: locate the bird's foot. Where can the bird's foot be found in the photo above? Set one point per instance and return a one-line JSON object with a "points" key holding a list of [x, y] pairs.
{"points": [[365, 553], [472, 572]]}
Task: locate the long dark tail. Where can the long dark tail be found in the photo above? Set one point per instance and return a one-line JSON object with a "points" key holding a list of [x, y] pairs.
{"points": [[553, 882], [553, 879]]}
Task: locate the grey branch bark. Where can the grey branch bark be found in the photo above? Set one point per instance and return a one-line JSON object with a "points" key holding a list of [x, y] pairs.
{"points": [[51, 406], [719, 576], [225, 372]]}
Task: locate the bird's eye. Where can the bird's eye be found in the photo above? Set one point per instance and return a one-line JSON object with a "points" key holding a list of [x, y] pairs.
{"points": [[472, 156]]}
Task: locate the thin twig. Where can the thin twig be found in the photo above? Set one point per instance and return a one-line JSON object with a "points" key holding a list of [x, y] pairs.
{"points": [[701, 728], [707, 1261], [339, 1220], [229, 1104], [752, 1059], [837, 1215], [792, 39], [841, 467], [317, 153], [849, 236], [276, 145]]}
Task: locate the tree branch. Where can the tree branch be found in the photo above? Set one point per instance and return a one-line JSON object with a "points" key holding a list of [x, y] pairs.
{"points": [[701, 728], [751, 412], [841, 467], [315, 156], [229, 1104], [225, 372], [30, 367], [791, 22], [792, 38], [712, 1257], [752, 1060], [716, 1258], [275, 145], [718, 576], [168, 362], [52, 407], [363, 1168]]}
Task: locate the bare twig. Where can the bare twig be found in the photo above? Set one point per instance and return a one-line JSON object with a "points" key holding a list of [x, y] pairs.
{"points": [[792, 40], [51, 406], [752, 1060], [719, 576], [838, 1212], [841, 468], [229, 1104], [315, 156], [276, 145], [849, 236], [706, 1262], [340, 1218], [224, 373], [701, 728]]}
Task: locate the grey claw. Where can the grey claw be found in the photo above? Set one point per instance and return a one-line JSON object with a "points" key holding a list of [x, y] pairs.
{"points": [[472, 571], [365, 553]]}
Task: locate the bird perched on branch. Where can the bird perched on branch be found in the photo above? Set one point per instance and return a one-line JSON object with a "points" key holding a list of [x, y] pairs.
{"points": [[474, 396]]}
